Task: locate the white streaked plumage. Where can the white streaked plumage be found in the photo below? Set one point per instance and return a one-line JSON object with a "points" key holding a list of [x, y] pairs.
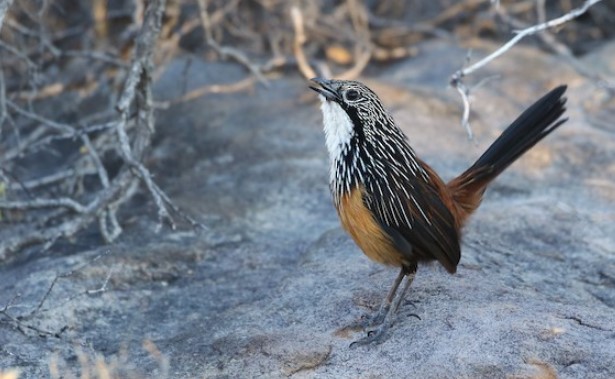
{"points": [[338, 131], [390, 181]]}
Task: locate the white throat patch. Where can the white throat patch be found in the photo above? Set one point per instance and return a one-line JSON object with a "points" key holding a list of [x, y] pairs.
{"points": [[338, 128]]}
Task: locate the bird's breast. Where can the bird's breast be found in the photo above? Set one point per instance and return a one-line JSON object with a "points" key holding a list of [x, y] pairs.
{"points": [[367, 233]]}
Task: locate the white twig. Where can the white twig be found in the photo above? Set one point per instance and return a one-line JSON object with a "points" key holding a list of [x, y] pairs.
{"points": [[2, 97], [103, 57], [103, 287], [465, 118], [520, 34], [50, 179], [457, 78], [4, 7], [299, 40], [64, 202]]}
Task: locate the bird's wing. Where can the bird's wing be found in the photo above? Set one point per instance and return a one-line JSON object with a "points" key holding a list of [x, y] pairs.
{"points": [[417, 221]]}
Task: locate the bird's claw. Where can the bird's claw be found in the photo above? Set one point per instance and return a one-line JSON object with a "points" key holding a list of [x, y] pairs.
{"points": [[376, 332], [374, 336]]}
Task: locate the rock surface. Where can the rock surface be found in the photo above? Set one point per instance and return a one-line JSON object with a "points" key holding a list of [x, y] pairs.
{"points": [[268, 288]]}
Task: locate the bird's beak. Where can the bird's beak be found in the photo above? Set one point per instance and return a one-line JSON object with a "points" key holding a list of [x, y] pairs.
{"points": [[323, 87]]}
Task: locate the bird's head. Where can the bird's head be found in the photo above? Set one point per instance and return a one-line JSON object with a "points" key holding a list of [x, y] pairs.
{"points": [[351, 112]]}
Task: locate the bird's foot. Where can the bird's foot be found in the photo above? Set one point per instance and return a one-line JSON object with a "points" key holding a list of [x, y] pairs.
{"points": [[377, 334], [369, 320], [373, 320]]}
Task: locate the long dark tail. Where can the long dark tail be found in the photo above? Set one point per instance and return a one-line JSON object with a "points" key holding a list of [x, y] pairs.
{"points": [[534, 124]]}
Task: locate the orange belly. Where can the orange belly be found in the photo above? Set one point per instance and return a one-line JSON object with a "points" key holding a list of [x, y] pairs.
{"points": [[358, 221]]}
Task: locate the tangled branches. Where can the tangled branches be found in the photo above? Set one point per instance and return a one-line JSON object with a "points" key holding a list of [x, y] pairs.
{"points": [[82, 184]]}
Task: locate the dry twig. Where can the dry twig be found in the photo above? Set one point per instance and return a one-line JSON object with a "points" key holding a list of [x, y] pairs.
{"points": [[4, 7], [23, 321], [226, 51], [363, 49], [457, 78], [135, 98], [300, 39]]}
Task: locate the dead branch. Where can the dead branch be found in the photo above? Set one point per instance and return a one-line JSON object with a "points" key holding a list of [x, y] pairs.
{"points": [[457, 78], [23, 321], [45, 203], [225, 51], [241, 85], [4, 7], [550, 41], [300, 38], [520, 34], [20, 324], [135, 98], [363, 47], [3, 113], [138, 84]]}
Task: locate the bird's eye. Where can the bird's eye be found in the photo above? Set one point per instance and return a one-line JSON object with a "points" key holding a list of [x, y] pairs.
{"points": [[352, 95]]}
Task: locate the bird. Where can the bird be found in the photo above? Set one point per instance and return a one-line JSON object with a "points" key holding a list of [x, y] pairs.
{"points": [[395, 207]]}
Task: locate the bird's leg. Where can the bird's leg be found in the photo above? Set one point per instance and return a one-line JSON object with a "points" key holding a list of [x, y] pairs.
{"points": [[385, 307], [377, 334], [402, 295], [374, 319]]}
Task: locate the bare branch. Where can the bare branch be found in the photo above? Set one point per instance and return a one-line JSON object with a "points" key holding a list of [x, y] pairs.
{"points": [[226, 51], [49, 179], [138, 90], [136, 114], [63, 202], [64, 128], [4, 7], [96, 55], [363, 47], [103, 287], [21, 321], [241, 85], [69, 226], [100, 169], [457, 78], [302, 62], [3, 113], [465, 118], [520, 34]]}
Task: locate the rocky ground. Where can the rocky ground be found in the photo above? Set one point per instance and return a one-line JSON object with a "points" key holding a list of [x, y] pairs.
{"points": [[268, 288]]}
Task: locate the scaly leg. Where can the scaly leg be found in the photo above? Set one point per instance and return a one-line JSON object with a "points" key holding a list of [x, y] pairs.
{"points": [[377, 335], [375, 319]]}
